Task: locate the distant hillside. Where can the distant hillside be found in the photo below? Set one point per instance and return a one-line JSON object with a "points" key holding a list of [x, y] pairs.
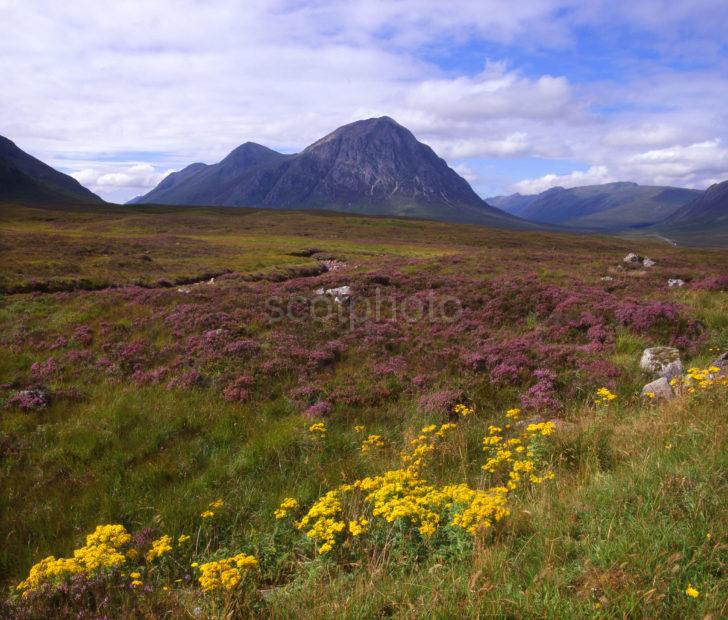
{"points": [[373, 166], [608, 207], [514, 204], [703, 221], [23, 178]]}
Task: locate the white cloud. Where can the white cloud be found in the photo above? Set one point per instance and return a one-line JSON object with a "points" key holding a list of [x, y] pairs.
{"points": [[593, 176], [173, 82], [466, 172], [133, 177]]}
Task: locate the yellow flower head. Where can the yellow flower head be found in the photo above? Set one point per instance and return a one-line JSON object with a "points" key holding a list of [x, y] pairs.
{"points": [[692, 592], [288, 504], [317, 428]]}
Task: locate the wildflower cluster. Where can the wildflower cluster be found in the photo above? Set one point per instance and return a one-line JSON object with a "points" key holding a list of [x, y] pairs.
{"points": [[288, 504], [160, 547], [700, 380], [604, 397], [225, 574], [211, 508], [513, 456], [318, 428], [104, 550], [404, 495], [463, 410], [373, 441]]}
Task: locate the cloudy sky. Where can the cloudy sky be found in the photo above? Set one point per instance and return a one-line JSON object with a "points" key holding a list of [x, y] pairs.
{"points": [[516, 95]]}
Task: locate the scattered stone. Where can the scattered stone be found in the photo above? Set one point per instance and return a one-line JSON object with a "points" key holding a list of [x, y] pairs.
{"points": [[658, 389], [722, 363], [184, 290], [341, 294], [675, 283], [606, 278], [662, 361], [635, 260], [333, 264]]}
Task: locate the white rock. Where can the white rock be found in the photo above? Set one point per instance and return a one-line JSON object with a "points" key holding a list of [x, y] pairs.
{"points": [[662, 361], [675, 282], [341, 294], [606, 278], [648, 262], [183, 290], [659, 388], [632, 258]]}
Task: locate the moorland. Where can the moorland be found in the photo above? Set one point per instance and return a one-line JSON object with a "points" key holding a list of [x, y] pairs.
{"points": [[461, 430]]}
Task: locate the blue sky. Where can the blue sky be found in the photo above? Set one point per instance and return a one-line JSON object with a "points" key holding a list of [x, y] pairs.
{"points": [[515, 96]]}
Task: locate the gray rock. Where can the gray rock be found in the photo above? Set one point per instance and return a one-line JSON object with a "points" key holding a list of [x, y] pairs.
{"points": [[632, 258], [341, 294], [662, 361], [722, 363], [675, 283], [660, 389], [606, 278], [648, 262]]}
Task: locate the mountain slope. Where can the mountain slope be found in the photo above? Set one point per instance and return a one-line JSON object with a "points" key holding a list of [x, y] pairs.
{"points": [[514, 204], [611, 206], [702, 222], [24, 178], [710, 206], [373, 166]]}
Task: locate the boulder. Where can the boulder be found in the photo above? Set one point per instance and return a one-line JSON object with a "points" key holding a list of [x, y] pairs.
{"points": [[658, 389], [662, 361], [635, 260], [675, 283], [341, 294]]}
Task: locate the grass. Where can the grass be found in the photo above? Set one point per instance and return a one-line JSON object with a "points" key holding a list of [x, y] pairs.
{"points": [[636, 513]]}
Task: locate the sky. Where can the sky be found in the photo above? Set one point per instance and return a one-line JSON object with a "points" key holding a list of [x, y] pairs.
{"points": [[515, 95]]}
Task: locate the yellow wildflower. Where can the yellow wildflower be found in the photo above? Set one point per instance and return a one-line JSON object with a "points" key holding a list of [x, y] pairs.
{"points": [[160, 546], [183, 539], [373, 441], [207, 514], [318, 428], [692, 592], [288, 504]]}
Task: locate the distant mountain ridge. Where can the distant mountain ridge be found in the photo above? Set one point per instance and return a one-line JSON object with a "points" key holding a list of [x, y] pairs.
{"points": [[611, 206], [711, 205], [24, 178], [374, 166]]}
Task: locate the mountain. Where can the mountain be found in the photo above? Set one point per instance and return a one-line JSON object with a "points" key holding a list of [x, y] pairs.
{"points": [[23, 178], [702, 222], [373, 166], [514, 204], [612, 206], [709, 206]]}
